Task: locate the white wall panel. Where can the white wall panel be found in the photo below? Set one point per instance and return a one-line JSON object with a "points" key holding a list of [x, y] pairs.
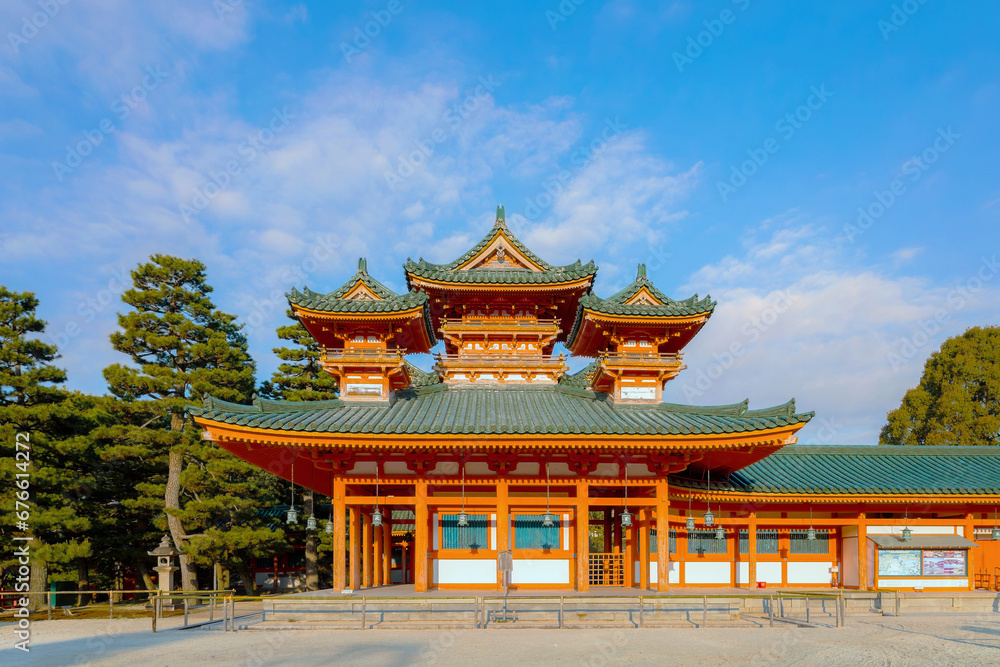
{"points": [[707, 573], [539, 571]]}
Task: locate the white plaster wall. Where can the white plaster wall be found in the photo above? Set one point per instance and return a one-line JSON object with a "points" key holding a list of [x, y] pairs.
{"points": [[742, 573], [707, 573], [464, 571], [809, 573], [951, 582], [916, 530], [769, 573], [538, 571], [565, 531], [654, 572], [851, 561]]}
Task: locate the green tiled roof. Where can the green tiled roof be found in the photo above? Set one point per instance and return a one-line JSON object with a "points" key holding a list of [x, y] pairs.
{"points": [[874, 469], [615, 304], [329, 303], [440, 409], [450, 273], [421, 378], [581, 379]]}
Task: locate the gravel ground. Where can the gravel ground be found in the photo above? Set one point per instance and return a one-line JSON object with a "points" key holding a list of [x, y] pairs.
{"points": [[952, 639]]}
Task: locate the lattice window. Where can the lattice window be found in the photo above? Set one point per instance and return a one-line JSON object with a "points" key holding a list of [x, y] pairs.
{"points": [[799, 542], [474, 536], [767, 541], [704, 542], [652, 541], [529, 533]]}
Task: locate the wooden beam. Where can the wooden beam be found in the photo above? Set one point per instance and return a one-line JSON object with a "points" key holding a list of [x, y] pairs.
{"points": [[420, 542], [582, 525], [339, 535], [662, 537]]}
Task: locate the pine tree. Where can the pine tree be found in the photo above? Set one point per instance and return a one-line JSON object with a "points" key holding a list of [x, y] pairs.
{"points": [[49, 473], [181, 347], [302, 378], [958, 399]]}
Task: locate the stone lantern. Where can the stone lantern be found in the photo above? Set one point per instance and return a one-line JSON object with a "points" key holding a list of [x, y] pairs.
{"points": [[165, 568]]}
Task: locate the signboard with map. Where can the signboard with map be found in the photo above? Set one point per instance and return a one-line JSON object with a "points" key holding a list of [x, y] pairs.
{"points": [[945, 563], [899, 563]]}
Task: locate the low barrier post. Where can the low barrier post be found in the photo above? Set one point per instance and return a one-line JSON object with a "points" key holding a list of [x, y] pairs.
{"points": [[770, 609], [704, 611], [561, 601]]}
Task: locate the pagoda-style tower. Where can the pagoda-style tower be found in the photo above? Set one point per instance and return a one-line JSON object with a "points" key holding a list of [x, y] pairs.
{"points": [[500, 310], [637, 336], [366, 329]]}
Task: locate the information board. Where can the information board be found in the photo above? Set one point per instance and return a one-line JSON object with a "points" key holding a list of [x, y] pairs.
{"points": [[899, 563], [945, 563]]}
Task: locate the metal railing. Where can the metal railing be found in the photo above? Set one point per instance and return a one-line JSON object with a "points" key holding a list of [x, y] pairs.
{"points": [[89, 606]]}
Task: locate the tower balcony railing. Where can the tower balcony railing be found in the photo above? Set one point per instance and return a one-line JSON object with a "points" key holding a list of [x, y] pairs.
{"points": [[364, 356], [506, 361], [641, 359], [475, 324]]}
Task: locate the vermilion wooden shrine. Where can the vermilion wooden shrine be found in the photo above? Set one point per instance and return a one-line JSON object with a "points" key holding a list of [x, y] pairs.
{"points": [[588, 478]]}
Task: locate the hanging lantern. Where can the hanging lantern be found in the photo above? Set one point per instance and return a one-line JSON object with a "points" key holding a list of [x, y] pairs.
{"points": [[626, 519], [811, 534], [376, 518], [311, 523], [329, 528], [720, 533], [709, 519], [292, 516], [463, 519], [690, 524], [548, 520], [995, 535], [906, 534]]}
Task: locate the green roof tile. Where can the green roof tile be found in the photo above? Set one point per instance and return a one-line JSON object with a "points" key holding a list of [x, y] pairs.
{"points": [[440, 409]]}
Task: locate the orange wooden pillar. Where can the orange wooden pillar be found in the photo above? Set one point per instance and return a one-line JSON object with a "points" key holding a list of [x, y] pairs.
{"points": [[644, 548], [355, 528], [662, 536], [970, 534], [752, 550], [582, 537], [503, 524], [862, 552], [376, 547], [631, 539], [421, 534], [387, 548], [339, 533], [366, 550]]}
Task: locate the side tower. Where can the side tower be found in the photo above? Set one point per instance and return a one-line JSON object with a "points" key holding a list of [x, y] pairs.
{"points": [[500, 310], [366, 329], [637, 336]]}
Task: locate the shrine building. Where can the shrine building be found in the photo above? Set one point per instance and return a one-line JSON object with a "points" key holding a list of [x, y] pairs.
{"points": [[588, 478]]}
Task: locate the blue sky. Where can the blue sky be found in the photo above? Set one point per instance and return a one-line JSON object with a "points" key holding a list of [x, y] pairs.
{"points": [[827, 171]]}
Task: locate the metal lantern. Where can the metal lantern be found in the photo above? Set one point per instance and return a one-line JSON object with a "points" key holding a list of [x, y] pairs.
{"points": [[292, 516], [329, 528], [709, 519], [811, 534], [720, 533], [690, 523], [995, 535], [463, 520], [626, 519], [906, 534], [376, 518], [548, 520], [311, 523]]}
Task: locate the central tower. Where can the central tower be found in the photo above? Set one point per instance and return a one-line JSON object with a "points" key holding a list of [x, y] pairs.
{"points": [[500, 310]]}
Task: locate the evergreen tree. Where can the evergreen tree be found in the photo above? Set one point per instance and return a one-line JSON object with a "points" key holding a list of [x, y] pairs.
{"points": [[181, 347], [50, 472], [301, 378], [958, 399]]}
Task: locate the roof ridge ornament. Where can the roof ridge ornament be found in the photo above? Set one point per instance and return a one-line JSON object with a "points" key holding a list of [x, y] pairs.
{"points": [[501, 220], [641, 272], [362, 266]]}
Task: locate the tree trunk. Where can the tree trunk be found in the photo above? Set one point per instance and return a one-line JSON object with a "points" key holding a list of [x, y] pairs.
{"points": [[172, 500], [38, 581], [147, 578], [82, 581], [249, 581], [312, 547]]}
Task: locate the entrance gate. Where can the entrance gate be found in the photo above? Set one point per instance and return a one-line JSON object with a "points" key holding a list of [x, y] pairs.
{"points": [[606, 569]]}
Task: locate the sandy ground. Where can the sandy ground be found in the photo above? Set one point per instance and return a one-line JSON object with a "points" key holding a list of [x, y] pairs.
{"points": [[952, 639]]}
